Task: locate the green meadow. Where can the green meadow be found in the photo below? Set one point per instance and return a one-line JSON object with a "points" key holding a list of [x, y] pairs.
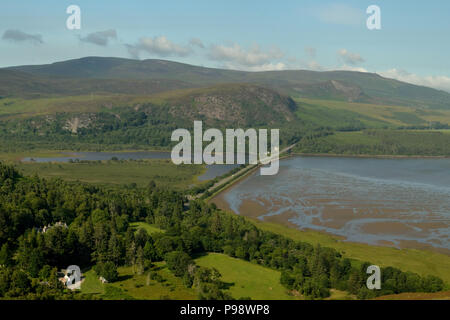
{"points": [[246, 279], [22, 108], [375, 114], [146, 226], [380, 142], [423, 262], [162, 172], [242, 278], [132, 286], [91, 284]]}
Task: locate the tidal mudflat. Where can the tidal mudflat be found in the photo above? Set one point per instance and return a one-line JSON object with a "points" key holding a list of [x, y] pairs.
{"points": [[392, 202]]}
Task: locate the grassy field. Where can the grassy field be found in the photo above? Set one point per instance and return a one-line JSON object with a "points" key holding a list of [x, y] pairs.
{"points": [[423, 262], [380, 142], [142, 287], [444, 295], [352, 138], [319, 114], [391, 115], [91, 284], [132, 286], [162, 172], [252, 280], [17, 156], [18, 108], [360, 137], [246, 279], [146, 226]]}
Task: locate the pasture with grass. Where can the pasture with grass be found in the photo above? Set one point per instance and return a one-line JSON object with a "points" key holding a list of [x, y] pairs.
{"points": [[121, 172], [246, 279]]}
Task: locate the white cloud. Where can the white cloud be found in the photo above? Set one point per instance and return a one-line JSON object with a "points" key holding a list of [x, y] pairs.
{"points": [[349, 57], [242, 59], [263, 67], [338, 13], [437, 82], [159, 46], [348, 61], [351, 68]]}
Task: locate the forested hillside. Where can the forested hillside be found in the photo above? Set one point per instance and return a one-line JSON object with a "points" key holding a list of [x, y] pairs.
{"points": [[144, 122], [99, 235], [98, 104]]}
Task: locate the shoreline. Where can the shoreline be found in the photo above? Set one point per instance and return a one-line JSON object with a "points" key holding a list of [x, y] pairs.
{"points": [[285, 223], [219, 199], [380, 156], [68, 153], [424, 261], [246, 172]]}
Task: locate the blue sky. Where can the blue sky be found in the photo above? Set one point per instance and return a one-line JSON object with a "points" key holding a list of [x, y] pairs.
{"points": [[413, 44]]}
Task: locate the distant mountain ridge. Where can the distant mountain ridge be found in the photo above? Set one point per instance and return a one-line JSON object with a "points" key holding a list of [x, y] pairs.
{"points": [[18, 83], [142, 76]]}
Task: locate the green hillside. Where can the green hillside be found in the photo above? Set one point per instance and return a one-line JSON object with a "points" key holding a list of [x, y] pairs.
{"points": [[98, 103], [246, 279], [379, 142], [100, 122], [341, 85]]}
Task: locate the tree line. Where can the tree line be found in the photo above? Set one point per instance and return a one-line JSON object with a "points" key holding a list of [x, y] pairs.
{"points": [[99, 235]]}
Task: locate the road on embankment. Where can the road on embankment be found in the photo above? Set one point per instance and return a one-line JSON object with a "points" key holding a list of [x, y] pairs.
{"points": [[222, 183]]}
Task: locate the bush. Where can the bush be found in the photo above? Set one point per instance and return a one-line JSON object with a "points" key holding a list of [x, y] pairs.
{"points": [[178, 262], [432, 284], [107, 270]]}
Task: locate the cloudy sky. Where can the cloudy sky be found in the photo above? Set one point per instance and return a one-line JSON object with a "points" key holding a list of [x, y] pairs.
{"points": [[413, 43]]}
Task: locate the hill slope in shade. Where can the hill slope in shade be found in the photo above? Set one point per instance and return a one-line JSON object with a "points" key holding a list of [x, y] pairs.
{"points": [[343, 85], [17, 83]]}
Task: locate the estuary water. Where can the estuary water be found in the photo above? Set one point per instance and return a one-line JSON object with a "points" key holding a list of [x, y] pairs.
{"points": [[394, 202]]}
